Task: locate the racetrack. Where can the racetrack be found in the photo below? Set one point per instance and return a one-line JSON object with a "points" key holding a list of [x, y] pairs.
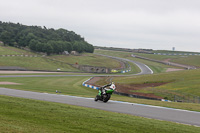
{"points": [[155, 112], [144, 70]]}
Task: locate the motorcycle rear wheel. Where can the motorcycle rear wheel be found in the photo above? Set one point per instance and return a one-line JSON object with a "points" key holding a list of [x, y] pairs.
{"points": [[106, 98]]}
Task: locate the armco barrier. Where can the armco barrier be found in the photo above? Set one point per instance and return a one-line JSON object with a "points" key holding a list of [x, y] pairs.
{"points": [[122, 94]]}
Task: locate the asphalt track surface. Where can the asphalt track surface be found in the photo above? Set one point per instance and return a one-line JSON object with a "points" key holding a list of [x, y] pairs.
{"points": [[144, 68], [148, 111], [155, 112]]}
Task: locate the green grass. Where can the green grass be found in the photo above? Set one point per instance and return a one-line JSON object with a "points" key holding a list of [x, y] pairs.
{"points": [[181, 82], [134, 69], [188, 60], [182, 59], [88, 59], [30, 63], [63, 62], [156, 67], [113, 53], [49, 73], [73, 86], [35, 63], [66, 85], [177, 80], [25, 115], [7, 50]]}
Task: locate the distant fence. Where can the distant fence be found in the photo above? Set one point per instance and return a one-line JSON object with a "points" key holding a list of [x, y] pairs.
{"points": [[177, 53], [20, 55]]}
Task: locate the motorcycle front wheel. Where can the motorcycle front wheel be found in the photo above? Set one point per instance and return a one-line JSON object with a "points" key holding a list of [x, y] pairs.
{"points": [[96, 98]]}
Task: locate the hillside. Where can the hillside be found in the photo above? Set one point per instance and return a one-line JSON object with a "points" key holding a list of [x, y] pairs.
{"points": [[42, 39], [156, 67], [181, 85], [181, 57], [11, 57], [186, 58]]}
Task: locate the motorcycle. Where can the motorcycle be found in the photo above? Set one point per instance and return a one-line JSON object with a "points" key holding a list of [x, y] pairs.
{"points": [[105, 94]]}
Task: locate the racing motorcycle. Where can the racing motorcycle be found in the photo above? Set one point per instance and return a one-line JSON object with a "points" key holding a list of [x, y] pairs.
{"points": [[104, 93]]}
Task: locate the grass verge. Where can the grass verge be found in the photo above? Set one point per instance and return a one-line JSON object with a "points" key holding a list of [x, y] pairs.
{"points": [[73, 86], [156, 67], [181, 81], [88, 59], [25, 115], [182, 59], [35, 63]]}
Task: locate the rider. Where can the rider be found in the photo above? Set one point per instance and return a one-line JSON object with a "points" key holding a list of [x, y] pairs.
{"points": [[111, 86]]}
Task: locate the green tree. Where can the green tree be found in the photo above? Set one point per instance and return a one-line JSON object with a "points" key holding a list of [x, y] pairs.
{"points": [[36, 38], [77, 47], [6, 37], [33, 44], [48, 48], [67, 46]]}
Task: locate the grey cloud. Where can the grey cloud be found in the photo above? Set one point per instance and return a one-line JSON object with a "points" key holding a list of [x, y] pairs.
{"points": [[157, 24]]}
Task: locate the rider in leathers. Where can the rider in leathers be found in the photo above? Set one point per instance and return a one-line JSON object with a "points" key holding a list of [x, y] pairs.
{"points": [[111, 86]]}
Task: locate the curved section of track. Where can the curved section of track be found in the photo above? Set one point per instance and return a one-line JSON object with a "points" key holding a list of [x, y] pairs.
{"points": [[155, 112], [144, 68]]}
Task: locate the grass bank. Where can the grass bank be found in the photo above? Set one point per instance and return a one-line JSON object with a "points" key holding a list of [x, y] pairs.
{"points": [[156, 67], [35, 63], [65, 85], [25, 115], [62, 62], [88, 59], [181, 59], [73, 86], [181, 81], [8, 50]]}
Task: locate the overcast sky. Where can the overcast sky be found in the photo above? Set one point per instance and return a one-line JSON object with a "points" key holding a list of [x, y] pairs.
{"points": [[151, 24]]}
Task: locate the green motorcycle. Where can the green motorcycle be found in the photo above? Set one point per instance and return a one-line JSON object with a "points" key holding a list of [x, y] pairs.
{"points": [[105, 94]]}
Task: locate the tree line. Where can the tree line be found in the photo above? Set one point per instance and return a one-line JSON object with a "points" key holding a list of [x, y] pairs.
{"points": [[41, 39]]}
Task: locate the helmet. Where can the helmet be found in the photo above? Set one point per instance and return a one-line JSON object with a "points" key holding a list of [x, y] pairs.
{"points": [[112, 86]]}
